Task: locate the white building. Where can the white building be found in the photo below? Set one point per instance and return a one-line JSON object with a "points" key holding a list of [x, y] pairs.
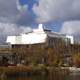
{"points": [[36, 36]]}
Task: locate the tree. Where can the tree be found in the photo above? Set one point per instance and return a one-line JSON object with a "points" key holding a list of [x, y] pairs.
{"points": [[76, 59]]}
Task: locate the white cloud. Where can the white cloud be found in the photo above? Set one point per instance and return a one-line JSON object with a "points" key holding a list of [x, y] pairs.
{"points": [[13, 29], [25, 29], [7, 29], [71, 27], [10, 17], [57, 10], [21, 8]]}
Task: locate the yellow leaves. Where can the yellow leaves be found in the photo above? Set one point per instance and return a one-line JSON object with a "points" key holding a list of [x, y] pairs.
{"points": [[76, 60]]}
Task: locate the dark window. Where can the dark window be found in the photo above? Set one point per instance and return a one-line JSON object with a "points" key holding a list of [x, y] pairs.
{"points": [[27, 46], [12, 46], [50, 42]]}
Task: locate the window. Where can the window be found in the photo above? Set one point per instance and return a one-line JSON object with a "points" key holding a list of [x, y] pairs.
{"points": [[50, 42]]}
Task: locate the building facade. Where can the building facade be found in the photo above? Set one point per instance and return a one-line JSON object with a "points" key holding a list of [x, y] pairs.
{"points": [[41, 46]]}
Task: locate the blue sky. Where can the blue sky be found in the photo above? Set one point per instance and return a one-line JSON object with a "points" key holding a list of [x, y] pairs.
{"points": [[30, 3], [54, 25]]}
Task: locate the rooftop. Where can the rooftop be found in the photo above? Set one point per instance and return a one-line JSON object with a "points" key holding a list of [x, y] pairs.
{"points": [[36, 36]]}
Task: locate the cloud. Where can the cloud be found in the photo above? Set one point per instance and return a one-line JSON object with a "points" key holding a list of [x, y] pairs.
{"points": [[8, 11], [8, 29], [20, 7], [12, 12], [51, 10], [71, 28], [12, 18], [25, 16]]}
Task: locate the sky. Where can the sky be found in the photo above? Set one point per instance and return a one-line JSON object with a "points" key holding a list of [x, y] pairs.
{"points": [[18, 16]]}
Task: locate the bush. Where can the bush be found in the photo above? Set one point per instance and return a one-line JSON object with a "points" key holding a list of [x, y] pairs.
{"points": [[76, 60]]}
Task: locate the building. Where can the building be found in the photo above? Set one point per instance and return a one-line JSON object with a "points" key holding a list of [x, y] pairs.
{"points": [[41, 46], [37, 36]]}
